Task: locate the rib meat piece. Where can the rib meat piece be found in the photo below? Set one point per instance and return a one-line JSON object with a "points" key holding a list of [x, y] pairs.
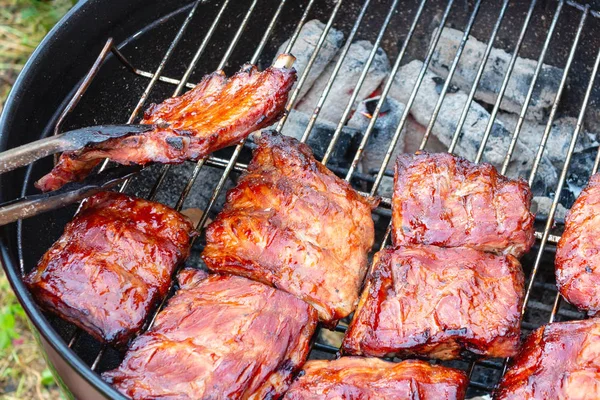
{"points": [[217, 113], [112, 264], [447, 201], [220, 337], [578, 251], [557, 361], [371, 378], [435, 302], [293, 224]]}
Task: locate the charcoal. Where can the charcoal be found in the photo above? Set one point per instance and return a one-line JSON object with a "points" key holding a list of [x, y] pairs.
{"points": [[176, 180], [345, 81], [473, 128], [578, 174], [304, 47], [381, 137], [540, 205], [493, 75], [559, 139], [320, 137], [383, 131]]}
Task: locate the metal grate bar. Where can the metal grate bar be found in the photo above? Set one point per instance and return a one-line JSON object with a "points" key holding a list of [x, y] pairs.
{"points": [[559, 93], [384, 93], [87, 81], [136, 110], [563, 174], [336, 70], [562, 178], [231, 163], [578, 128], [459, 52], [412, 98], [507, 75], [183, 82], [361, 79], [538, 69], [486, 55], [234, 157], [221, 65], [162, 64], [311, 61]]}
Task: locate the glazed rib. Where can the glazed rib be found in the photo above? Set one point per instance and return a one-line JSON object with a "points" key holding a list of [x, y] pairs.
{"points": [[578, 251], [374, 379], [292, 223], [447, 201], [217, 113], [557, 361], [220, 337], [436, 302], [112, 264]]}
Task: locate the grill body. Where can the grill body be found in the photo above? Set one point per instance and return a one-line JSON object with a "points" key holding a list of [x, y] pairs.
{"points": [[160, 48]]}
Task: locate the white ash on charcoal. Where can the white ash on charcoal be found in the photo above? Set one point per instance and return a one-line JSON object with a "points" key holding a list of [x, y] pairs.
{"points": [[493, 74], [473, 128], [345, 82], [304, 47], [559, 139], [540, 205], [382, 134], [320, 137]]}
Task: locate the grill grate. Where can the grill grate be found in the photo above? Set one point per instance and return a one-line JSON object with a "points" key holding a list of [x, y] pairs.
{"points": [[542, 300]]}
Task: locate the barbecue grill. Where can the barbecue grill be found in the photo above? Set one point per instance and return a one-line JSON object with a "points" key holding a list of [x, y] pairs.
{"points": [[77, 78]]}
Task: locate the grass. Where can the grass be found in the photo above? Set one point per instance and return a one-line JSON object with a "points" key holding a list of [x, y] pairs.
{"points": [[23, 371]]}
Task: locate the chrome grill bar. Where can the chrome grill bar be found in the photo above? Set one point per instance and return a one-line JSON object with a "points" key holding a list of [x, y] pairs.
{"points": [[413, 96], [384, 93], [576, 134], [507, 75], [336, 70], [309, 65], [529, 95], [486, 55]]}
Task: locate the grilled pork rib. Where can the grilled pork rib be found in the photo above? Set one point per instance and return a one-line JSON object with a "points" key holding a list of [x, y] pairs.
{"points": [[217, 113], [220, 337], [374, 379], [292, 223], [447, 201], [557, 361], [578, 251], [112, 264], [435, 302]]}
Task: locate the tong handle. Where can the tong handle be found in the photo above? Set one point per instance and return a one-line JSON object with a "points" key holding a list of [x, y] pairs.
{"points": [[30, 152], [29, 206]]}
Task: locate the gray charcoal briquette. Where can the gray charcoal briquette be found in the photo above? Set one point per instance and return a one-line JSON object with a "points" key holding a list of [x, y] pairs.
{"points": [[473, 128], [493, 74], [345, 81], [305, 45]]}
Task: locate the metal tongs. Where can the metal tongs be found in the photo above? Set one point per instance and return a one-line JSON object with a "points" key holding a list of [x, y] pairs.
{"points": [[68, 141], [21, 156]]}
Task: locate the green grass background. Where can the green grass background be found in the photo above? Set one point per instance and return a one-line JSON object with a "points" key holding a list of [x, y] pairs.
{"points": [[23, 372]]}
